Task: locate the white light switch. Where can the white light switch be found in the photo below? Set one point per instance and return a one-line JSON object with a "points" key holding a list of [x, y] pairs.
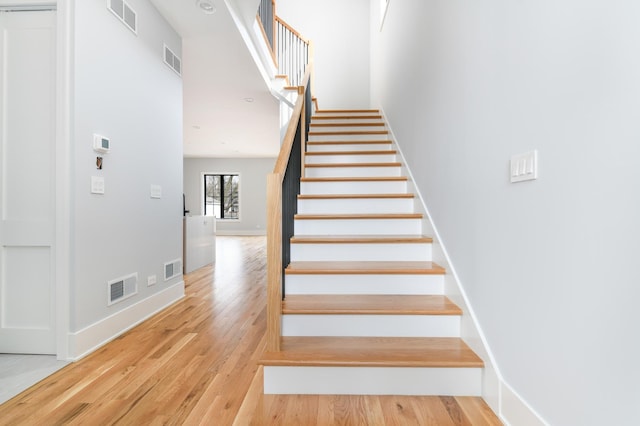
{"points": [[524, 166], [156, 191], [97, 185]]}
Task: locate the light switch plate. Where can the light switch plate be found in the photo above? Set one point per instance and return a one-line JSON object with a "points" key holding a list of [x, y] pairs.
{"points": [[524, 166], [97, 185], [156, 191]]}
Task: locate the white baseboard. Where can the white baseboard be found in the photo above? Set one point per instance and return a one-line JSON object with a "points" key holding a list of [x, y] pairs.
{"points": [[514, 411], [87, 340]]}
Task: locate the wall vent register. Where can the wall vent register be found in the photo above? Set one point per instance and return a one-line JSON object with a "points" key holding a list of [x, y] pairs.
{"points": [[172, 269], [125, 13], [172, 60], [122, 288]]}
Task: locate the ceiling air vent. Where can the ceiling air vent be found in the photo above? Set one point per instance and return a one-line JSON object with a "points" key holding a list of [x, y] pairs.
{"points": [[123, 11], [122, 288], [172, 60], [172, 269]]}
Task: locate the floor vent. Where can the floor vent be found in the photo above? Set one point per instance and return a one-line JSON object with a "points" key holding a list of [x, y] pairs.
{"points": [[172, 60], [125, 13], [122, 288], [172, 269]]}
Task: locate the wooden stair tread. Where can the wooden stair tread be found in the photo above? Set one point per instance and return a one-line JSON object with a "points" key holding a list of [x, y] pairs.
{"points": [[354, 216], [444, 352], [362, 124], [349, 132], [347, 111], [352, 196], [354, 179], [381, 152], [360, 239], [385, 142], [364, 268], [368, 304], [347, 117], [391, 164]]}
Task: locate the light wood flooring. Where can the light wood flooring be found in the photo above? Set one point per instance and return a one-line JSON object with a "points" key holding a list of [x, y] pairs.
{"points": [[196, 363]]}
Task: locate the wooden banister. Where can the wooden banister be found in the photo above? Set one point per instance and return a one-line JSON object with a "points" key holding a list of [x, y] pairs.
{"points": [[266, 39], [275, 217], [290, 28]]}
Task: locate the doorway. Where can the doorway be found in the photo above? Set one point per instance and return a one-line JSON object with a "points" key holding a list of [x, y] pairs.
{"points": [[27, 182]]}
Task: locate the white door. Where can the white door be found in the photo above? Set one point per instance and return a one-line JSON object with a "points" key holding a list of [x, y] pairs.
{"points": [[27, 137]]}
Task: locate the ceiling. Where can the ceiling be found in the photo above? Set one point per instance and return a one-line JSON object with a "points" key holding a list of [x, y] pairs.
{"points": [[228, 109]]}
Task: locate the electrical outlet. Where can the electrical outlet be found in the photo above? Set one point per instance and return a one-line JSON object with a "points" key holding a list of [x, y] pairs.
{"points": [[151, 280]]}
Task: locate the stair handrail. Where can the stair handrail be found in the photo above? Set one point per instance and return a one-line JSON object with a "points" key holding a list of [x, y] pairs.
{"points": [[290, 51], [283, 187], [267, 19]]}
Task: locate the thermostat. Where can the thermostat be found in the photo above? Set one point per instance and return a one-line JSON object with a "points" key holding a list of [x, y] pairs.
{"points": [[101, 144]]}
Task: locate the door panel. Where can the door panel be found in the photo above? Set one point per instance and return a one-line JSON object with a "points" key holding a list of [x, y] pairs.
{"points": [[27, 140]]}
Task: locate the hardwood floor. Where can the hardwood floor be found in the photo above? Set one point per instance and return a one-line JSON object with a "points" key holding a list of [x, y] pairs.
{"points": [[195, 363], [363, 410]]}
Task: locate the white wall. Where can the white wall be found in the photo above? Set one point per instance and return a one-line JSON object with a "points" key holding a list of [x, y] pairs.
{"points": [[550, 265], [123, 90], [339, 31], [253, 191]]}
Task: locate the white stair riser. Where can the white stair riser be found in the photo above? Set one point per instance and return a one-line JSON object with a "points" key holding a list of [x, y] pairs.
{"points": [[357, 226], [350, 147], [339, 127], [354, 187], [353, 158], [371, 325], [360, 119], [373, 381], [361, 252], [355, 205], [363, 171], [363, 284], [318, 137]]}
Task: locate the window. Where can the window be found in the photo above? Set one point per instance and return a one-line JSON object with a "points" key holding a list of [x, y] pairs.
{"points": [[221, 196]]}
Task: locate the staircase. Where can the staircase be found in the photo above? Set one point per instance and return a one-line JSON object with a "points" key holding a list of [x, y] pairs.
{"points": [[364, 310]]}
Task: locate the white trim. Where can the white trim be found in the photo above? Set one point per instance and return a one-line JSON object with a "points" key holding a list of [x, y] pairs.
{"points": [[384, 6], [502, 399], [515, 410], [87, 340], [44, 7], [62, 237]]}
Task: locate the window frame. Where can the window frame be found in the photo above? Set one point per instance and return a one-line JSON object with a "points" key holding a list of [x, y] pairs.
{"points": [[203, 191]]}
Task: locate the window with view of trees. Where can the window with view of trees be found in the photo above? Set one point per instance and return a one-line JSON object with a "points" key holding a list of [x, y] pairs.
{"points": [[221, 197]]}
